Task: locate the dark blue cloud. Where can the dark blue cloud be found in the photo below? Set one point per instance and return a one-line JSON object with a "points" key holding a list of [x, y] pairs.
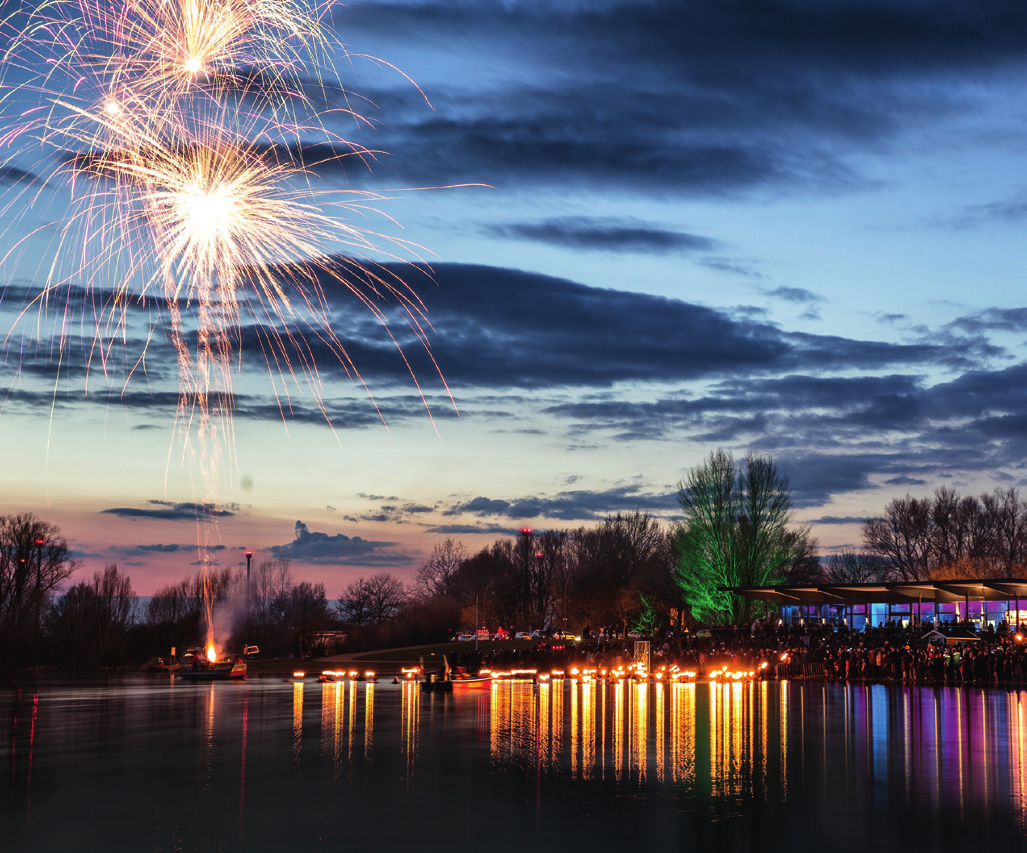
{"points": [[167, 511], [608, 235], [317, 548]]}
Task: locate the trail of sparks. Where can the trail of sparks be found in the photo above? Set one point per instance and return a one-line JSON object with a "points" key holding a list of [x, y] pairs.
{"points": [[178, 128]]}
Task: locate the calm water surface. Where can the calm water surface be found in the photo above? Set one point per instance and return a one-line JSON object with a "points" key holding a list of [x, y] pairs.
{"points": [[144, 763]]}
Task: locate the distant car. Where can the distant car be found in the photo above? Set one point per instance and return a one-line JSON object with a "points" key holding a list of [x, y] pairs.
{"points": [[567, 636], [523, 635], [251, 652], [634, 635], [463, 637]]}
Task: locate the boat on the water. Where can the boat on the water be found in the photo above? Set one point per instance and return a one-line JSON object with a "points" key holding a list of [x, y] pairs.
{"points": [[451, 679], [468, 681], [219, 671]]}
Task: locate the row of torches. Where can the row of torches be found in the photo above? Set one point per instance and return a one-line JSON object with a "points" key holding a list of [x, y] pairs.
{"points": [[634, 672]]}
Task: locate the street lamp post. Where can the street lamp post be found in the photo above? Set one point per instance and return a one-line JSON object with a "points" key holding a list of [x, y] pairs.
{"points": [[249, 557]]}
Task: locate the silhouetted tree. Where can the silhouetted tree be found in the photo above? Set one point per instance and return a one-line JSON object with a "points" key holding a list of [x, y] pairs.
{"points": [[438, 574], [373, 600], [89, 624], [34, 563]]}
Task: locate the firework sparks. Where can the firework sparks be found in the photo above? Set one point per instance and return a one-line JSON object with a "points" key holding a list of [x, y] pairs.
{"points": [[177, 127]]}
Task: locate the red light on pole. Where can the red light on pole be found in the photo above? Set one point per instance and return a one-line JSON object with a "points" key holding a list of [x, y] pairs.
{"points": [[526, 531]]}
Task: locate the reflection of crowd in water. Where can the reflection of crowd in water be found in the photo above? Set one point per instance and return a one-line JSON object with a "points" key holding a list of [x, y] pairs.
{"points": [[897, 654]]}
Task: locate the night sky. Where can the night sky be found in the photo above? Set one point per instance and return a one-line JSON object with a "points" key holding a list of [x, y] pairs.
{"points": [[641, 231]]}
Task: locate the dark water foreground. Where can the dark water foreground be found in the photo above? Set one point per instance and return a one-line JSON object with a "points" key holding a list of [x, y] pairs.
{"points": [[143, 763]]}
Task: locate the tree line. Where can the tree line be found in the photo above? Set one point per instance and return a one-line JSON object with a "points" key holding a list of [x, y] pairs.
{"points": [[628, 571]]}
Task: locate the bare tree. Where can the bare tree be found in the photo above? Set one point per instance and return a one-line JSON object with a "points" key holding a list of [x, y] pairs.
{"points": [[374, 600], [438, 574], [90, 623], [34, 563], [851, 567], [902, 538], [949, 536]]}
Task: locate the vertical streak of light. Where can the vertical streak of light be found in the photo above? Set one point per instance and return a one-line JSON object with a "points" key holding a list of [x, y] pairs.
{"points": [[208, 739], [368, 721], [409, 727], [538, 749], [556, 741], [1019, 783], [683, 733], [297, 727], [824, 704], [351, 731], [939, 754], [588, 729], [618, 730], [495, 721], [338, 713], [327, 718], [715, 773], [847, 695], [659, 709], [640, 730], [985, 747], [736, 732], [763, 701], [544, 698], [783, 732], [575, 744], [907, 740], [960, 739]]}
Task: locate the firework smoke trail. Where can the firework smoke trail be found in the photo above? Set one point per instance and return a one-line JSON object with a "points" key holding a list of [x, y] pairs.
{"points": [[178, 127]]}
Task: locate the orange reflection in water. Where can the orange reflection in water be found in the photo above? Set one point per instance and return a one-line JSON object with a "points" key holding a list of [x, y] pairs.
{"points": [[297, 727], [588, 729], [332, 717], [618, 730], [409, 722], [368, 718], [682, 733], [638, 744]]}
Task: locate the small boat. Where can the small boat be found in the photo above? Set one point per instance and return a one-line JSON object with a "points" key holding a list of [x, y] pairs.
{"points": [[452, 679], [469, 681], [220, 671]]}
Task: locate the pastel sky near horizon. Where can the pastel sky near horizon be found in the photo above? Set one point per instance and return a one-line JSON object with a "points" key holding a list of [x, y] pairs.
{"points": [[789, 226]]}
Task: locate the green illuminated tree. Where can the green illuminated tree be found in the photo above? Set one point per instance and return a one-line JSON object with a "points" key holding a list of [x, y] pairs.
{"points": [[735, 533]]}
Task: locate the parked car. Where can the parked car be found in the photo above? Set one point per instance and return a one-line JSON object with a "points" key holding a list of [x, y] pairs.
{"points": [[251, 653]]}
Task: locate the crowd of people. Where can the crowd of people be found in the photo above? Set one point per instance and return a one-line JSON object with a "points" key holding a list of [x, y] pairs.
{"points": [[915, 653]]}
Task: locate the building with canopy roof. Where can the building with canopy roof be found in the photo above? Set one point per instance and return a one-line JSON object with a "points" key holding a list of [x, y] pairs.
{"points": [[858, 605]]}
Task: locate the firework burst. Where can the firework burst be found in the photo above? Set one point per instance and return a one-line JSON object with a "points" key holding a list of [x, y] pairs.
{"points": [[178, 129]]}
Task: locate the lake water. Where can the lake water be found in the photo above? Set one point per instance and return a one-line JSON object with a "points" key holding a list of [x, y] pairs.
{"points": [[141, 763]]}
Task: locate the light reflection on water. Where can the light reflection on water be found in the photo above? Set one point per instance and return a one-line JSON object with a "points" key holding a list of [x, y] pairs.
{"points": [[139, 763]]}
